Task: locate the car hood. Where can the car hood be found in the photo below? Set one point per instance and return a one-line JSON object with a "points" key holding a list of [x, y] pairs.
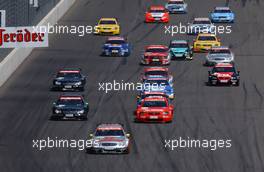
{"points": [[167, 88], [156, 54], [157, 14], [103, 139], [221, 14], [219, 56], [114, 45], [107, 26], [153, 109], [65, 79], [223, 74], [69, 107]]}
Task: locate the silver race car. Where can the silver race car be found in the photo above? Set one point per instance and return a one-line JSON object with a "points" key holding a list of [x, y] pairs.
{"points": [[219, 54], [110, 138]]}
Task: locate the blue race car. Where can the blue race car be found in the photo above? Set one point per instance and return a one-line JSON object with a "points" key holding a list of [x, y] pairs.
{"points": [[180, 49], [116, 46], [222, 15], [158, 85], [176, 6]]}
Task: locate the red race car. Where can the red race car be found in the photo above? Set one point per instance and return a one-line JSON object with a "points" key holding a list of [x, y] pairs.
{"points": [[156, 55], [224, 73], [157, 14], [154, 109]]}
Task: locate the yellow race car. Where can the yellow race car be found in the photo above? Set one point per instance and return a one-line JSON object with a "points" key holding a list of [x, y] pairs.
{"points": [[204, 42], [107, 26]]}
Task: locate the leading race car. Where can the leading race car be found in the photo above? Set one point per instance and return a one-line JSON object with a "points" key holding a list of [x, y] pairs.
{"points": [[222, 15], [157, 14], [154, 109], [69, 79], [157, 72], [107, 26], [158, 85], [204, 42], [180, 49], [156, 55], [116, 46], [224, 73], [70, 106], [110, 138], [201, 25], [220, 54], [176, 6]]}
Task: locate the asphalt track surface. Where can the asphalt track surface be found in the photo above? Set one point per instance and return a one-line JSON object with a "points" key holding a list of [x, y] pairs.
{"points": [[201, 112]]}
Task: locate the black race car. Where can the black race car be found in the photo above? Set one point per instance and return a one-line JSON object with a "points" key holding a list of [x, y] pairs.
{"points": [[69, 79], [70, 106]]}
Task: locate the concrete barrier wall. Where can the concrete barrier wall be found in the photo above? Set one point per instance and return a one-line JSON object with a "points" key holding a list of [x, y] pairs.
{"points": [[9, 65]]}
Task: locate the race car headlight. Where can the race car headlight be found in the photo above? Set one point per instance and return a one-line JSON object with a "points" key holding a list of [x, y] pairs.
{"points": [[58, 111], [57, 83], [78, 83], [165, 113], [122, 144], [233, 77], [81, 111]]}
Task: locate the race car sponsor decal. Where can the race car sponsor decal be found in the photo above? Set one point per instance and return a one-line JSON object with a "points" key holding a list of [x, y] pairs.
{"points": [[18, 37]]}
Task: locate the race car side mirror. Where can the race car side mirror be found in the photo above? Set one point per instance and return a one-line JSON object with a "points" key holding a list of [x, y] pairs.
{"points": [[54, 103], [127, 135], [91, 135], [209, 72], [138, 97]]}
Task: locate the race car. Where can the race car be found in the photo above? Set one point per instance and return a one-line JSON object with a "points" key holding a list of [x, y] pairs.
{"points": [[71, 107], [69, 79], [200, 25], [180, 49], [224, 73], [222, 15], [154, 109], [157, 72], [176, 6], [158, 85], [156, 55], [157, 14], [116, 46], [204, 42], [220, 54], [146, 94], [107, 26], [110, 138]]}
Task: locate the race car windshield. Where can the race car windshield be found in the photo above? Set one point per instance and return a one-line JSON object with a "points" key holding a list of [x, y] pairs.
{"points": [[222, 11], [205, 22], [179, 45], [70, 102], [206, 38], [156, 50], [68, 75], [176, 2], [162, 73], [154, 104], [153, 95], [223, 69], [108, 22], [115, 42], [157, 11], [109, 133], [157, 82], [220, 51]]}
